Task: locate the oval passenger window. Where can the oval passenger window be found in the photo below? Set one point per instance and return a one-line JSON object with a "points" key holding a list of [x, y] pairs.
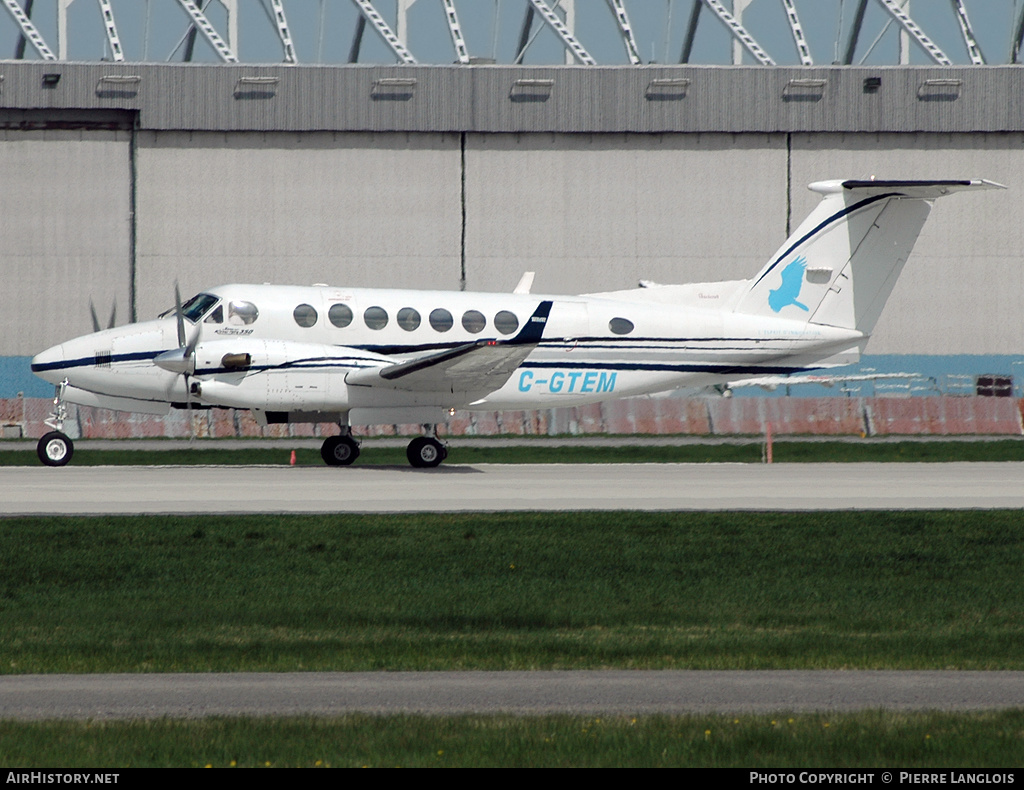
{"points": [[305, 315], [340, 315], [473, 321], [441, 320], [506, 322], [376, 317], [242, 313], [408, 319], [620, 326]]}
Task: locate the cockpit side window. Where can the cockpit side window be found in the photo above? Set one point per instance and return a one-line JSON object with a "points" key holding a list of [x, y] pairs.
{"points": [[216, 316], [196, 307], [242, 313]]}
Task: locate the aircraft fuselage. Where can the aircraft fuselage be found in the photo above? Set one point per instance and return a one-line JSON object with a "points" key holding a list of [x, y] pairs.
{"points": [[293, 352]]}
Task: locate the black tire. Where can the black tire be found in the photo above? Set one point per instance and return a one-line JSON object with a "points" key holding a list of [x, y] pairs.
{"points": [[425, 453], [339, 450], [55, 449]]}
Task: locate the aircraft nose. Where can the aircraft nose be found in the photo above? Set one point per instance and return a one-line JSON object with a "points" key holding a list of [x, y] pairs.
{"points": [[48, 365]]}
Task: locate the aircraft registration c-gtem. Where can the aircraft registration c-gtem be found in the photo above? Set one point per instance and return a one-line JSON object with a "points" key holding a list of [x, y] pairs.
{"points": [[362, 356]]}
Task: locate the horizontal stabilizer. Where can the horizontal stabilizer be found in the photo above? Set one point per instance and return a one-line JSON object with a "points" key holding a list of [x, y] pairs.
{"points": [[840, 266], [925, 190]]}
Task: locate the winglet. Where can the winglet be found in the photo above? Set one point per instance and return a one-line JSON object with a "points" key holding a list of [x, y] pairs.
{"points": [[533, 329]]}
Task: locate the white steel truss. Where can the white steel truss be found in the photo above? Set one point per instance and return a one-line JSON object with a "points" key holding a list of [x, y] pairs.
{"points": [[461, 52], [210, 33], [739, 32], [973, 50], [913, 29], [111, 29], [802, 50], [634, 20], [626, 29], [374, 18], [28, 30], [283, 32], [563, 32]]}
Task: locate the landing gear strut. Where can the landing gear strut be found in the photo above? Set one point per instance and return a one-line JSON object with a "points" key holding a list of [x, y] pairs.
{"points": [[340, 450], [425, 452], [56, 448]]}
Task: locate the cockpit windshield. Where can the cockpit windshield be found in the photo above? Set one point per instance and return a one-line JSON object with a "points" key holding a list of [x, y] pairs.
{"points": [[194, 308]]}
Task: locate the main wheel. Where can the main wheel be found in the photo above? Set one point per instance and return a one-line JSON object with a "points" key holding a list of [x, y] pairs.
{"points": [[339, 450], [55, 449], [425, 452]]}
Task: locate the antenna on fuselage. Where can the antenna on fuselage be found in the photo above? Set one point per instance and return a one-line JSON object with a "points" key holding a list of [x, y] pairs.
{"points": [[525, 283]]}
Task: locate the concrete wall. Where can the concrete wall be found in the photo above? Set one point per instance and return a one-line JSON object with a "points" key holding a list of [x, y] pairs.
{"points": [[587, 212], [339, 208], [66, 226], [599, 212], [962, 290]]}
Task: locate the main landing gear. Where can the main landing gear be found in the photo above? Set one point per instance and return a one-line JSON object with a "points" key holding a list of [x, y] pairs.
{"points": [[426, 452], [340, 450], [423, 452], [56, 448]]}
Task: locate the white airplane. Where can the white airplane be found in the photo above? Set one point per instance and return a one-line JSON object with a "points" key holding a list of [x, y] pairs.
{"points": [[360, 356]]}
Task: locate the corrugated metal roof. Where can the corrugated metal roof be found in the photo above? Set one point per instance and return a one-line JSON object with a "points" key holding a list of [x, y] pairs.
{"points": [[563, 99]]}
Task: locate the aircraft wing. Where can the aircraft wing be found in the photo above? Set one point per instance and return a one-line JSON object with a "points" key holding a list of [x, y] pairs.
{"points": [[480, 367]]}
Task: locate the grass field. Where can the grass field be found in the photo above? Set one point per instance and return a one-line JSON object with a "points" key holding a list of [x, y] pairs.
{"points": [[516, 591], [797, 741], [464, 452], [923, 590]]}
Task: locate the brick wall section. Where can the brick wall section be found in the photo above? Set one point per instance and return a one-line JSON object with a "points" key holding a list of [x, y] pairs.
{"points": [[650, 416]]}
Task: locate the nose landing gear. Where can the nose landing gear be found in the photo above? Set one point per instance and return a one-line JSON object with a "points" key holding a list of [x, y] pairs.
{"points": [[56, 448]]}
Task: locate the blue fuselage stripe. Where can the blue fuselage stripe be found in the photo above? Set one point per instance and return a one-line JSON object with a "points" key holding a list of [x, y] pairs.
{"points": [[817, 229], [85, 362]]}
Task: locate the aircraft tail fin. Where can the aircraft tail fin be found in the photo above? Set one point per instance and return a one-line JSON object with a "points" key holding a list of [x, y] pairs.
{"points": [[841, 264]]}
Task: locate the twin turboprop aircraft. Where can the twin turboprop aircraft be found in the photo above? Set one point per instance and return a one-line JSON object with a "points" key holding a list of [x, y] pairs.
{"points": [[356, 356]]}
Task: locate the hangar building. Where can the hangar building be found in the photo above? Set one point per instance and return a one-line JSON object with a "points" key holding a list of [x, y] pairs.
{"points": [[120, 179]]}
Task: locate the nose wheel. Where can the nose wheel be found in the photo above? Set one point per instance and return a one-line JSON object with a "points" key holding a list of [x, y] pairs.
{"points": [[55, 449], [425, 452]]}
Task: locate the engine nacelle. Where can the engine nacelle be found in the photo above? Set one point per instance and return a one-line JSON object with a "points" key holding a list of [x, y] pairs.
{"points": [[277, 375]]}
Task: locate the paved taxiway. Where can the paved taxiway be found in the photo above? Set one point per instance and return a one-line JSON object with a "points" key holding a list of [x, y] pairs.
{"points": [[446, 693], [84, 490], [494, 487]]}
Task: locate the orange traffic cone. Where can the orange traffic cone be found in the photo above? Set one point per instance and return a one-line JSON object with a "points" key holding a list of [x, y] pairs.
{"points": [[293, 458]]}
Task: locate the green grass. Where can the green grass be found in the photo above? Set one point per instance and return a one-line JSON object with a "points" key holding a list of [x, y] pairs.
{"points": [[921, 590], [789, 741], [464, 452]]}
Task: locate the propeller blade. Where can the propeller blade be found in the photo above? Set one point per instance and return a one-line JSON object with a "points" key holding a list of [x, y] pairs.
{"points": [[182, 359], [95, 320], [188, 403], [113, 316], [180, 315], [190, 346]]}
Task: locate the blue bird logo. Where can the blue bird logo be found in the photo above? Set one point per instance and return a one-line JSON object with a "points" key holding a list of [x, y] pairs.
{"points": [[788, 291]]}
